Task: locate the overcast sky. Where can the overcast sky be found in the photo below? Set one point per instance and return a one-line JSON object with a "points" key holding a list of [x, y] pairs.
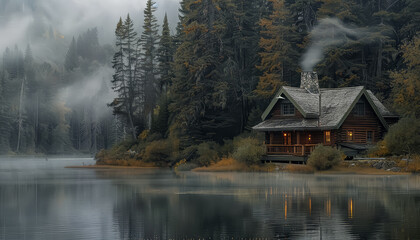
{"points": [[71, 17]]}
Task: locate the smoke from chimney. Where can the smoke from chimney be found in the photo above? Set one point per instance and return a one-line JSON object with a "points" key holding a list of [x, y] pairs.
{"points": [[329, 32]]}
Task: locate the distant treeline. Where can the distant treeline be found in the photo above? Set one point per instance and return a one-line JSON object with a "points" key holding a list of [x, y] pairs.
{"points": [[34, 117]]}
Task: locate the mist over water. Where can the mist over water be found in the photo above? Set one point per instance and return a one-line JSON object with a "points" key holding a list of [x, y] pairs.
{"points": [[41, 199], [329, 32]]}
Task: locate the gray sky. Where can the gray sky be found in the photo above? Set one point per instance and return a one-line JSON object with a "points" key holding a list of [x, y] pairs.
{"points": [[71, 17]]}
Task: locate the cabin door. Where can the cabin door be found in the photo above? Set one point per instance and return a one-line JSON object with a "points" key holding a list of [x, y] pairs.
{"points": [[287, 138]]}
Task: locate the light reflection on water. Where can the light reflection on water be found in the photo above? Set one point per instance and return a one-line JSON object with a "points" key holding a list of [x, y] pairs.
{"points": [[41, 199]]}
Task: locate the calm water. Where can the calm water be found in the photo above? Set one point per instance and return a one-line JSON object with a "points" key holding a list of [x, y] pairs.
{"points": [[41, 199]]}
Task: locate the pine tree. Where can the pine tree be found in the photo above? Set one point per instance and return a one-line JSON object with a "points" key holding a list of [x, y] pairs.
{"points": [[336, 68], [242, 47], [123, 79], [149, 43], [411, 16], [72, 59], [278, 53], [5, 118], [200, 92], [165, 52]]}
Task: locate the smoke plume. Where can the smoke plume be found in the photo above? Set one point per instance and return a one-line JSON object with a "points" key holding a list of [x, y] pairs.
{"points": [[328, 33]]}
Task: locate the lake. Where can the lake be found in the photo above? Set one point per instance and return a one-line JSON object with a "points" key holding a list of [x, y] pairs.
{"points": [[40, 199]]}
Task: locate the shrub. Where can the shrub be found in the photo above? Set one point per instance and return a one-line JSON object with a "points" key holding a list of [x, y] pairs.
{"points": [[324, 157], [403, 137], [117, 152], [248, 150], [207, 153], [379, 150], [158, 152]]}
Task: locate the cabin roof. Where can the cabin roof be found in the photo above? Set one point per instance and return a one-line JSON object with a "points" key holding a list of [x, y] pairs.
{"points": [[382, 109], [336, 105], [287, 124]]}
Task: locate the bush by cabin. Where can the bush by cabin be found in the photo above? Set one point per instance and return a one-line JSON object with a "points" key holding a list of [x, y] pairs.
{"points": [[298, 119]]}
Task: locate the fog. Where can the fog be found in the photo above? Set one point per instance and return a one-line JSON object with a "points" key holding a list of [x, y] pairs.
{"points": [[27, 21], [93, 89], [63, 109]]}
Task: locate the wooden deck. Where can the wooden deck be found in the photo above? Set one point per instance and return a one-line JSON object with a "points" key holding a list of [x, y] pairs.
{"points": [[294, 150]]}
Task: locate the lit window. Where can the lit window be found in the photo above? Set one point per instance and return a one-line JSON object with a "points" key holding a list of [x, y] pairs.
{"points": [[327, 136], [287, 109], [349, 135]]}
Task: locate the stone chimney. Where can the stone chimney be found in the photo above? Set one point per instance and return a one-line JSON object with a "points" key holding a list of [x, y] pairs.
{"points": [[309, 81]]}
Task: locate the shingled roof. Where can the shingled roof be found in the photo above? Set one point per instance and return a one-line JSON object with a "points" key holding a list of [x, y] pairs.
{"points": [[336, 105]]}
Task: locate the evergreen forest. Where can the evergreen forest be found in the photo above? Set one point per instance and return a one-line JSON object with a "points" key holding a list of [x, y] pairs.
{"points": [[165, 87]]}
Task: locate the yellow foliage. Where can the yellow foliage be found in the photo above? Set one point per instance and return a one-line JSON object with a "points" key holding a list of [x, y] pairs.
{"points": [[406, 82], [276, 50], [143, 135], [182, 162]]}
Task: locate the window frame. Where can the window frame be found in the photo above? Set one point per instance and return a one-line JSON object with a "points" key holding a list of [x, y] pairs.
{"points": [[290, 108], [327, 137], [349, 137]]}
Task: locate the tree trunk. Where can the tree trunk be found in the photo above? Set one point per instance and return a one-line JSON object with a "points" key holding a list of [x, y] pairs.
{"points": [[20, 120]]}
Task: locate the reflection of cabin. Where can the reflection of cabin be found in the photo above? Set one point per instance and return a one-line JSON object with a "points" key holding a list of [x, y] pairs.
{"points": [[298, 119]]}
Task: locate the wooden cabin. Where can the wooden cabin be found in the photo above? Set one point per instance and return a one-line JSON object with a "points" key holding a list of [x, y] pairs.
{"points": [[298, 119]]}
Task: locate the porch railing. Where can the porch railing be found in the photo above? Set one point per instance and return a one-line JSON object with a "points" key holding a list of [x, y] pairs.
{"points": [[296, 149]]}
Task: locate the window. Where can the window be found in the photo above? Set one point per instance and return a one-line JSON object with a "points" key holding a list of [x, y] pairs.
{"points": [[349, 135], [359, 109], [369, 136], [327, 137], [287, 109]]}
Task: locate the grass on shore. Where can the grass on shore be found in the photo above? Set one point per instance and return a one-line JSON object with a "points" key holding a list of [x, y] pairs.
{"points": [[232, 165], [126, 163]]}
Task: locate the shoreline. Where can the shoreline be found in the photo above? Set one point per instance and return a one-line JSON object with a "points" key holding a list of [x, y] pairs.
{"points": [[109, 167], [337, 170]]}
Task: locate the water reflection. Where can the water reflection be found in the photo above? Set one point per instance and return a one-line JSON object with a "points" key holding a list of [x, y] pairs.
{"points": [[47, 201]]}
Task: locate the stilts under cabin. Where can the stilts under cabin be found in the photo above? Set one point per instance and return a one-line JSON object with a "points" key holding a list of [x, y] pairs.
{"points": [[298, 119]]}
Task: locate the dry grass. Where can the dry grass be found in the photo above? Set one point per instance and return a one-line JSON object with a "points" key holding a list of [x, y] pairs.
{"points": [[231, 165], [224, 165], [108, 167], [296, 168], [126, 163], [412, 166]]}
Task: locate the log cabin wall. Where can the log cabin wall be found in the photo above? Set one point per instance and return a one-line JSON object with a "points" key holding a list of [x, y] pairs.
{"points": [[277, 137], [317, 137], [360, 125]]}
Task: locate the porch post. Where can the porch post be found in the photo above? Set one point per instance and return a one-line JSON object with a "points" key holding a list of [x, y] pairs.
{"points": [[298, 138]]}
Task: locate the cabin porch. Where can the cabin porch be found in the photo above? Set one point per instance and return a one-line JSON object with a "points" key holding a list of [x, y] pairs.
{"points": [[296, 143]]}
